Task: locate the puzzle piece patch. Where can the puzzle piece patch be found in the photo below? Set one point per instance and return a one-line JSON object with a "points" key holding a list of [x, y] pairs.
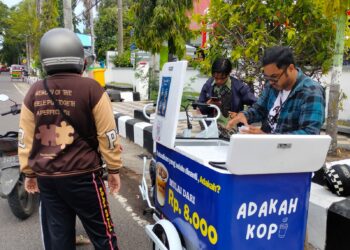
{"points": [[47, 135], [64, 135]]}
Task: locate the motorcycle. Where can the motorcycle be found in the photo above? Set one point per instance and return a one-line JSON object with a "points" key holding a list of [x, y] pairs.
{"points": [[22, 204]]}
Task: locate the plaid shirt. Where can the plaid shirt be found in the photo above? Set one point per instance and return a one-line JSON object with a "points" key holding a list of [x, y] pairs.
{"points": [[302, 113]]}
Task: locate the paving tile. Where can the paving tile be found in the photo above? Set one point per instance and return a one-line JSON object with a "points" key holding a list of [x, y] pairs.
{"points": [[127, 108]]}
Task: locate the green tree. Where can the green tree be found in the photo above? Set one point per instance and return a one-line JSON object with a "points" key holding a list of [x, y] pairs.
{"points": [[4, 12], [22, 27], [61, 17], [241, 30], [48, 19], [49, 15], [106, 30], [10, 53], [162, 21], [336, 10]]}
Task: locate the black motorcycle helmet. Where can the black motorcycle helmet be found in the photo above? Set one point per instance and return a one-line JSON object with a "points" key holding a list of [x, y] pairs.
{"points": [[338, 179], [61, 51]]}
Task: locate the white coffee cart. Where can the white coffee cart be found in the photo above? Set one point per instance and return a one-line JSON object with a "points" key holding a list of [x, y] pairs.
{"points": [[251, 192]]}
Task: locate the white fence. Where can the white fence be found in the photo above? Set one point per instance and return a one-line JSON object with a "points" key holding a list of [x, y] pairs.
{"points": [[120, 75], [194, 79]]}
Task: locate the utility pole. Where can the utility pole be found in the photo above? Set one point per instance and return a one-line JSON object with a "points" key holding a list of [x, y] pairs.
{"points": [[92, 27], [67, 14], [38, 7], [120, 28], [28, 54]]}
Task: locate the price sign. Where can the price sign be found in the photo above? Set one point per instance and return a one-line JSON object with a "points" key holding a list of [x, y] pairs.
{"points": [[216, 210]]}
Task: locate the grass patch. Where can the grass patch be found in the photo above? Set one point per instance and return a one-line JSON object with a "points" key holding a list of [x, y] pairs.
{"points": [[184, 100], [185, 95], [122, 84], [344, 123]]}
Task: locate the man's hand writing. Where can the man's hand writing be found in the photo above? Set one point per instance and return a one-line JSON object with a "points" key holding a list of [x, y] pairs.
{"points": [[251, 130], [239, 118]]}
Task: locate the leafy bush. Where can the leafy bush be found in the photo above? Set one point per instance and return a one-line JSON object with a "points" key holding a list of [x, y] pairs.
{"points": [[122, 60], [241, 32]]}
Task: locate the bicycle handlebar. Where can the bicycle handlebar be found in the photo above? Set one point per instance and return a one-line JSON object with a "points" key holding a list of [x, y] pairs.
{"points": [[6, 113]]}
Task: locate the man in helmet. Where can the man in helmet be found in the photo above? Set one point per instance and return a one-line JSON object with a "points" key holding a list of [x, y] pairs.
{"points": [[66, 125], [291, 103]]}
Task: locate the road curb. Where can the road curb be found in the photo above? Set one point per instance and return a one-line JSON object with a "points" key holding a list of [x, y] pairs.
{"points": [[325, 215], [136, 130], [338, 224]]}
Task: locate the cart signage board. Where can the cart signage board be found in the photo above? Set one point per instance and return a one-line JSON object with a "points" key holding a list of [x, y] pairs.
{"points": [[171, 84], [273, 151], [216, 210]]}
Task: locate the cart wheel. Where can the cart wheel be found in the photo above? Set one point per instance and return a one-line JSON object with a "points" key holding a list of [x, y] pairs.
{"points": [[160, 232], [167, 234]]}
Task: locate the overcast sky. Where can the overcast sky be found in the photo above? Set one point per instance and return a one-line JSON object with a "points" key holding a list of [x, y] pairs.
{"points": [[10, 3]]}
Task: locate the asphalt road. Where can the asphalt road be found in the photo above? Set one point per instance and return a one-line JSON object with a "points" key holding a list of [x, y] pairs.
{"points": [[126, 209]]}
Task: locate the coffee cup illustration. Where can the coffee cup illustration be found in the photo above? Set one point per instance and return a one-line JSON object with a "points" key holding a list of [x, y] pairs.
{"points": [[161, 180]]}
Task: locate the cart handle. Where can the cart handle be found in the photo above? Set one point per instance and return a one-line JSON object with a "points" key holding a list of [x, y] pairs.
{"points": [[144, 110], [218, 112], [218, 164]]}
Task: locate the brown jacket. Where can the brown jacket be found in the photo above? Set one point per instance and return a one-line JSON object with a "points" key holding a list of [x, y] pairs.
{"points": [[48, 144]]}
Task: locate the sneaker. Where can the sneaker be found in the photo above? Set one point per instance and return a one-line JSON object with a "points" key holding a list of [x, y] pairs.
{"points": [[82, 240]]}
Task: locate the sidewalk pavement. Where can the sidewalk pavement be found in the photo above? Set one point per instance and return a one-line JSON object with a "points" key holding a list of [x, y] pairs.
{"points": [[127, 108], [344, 141]]}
